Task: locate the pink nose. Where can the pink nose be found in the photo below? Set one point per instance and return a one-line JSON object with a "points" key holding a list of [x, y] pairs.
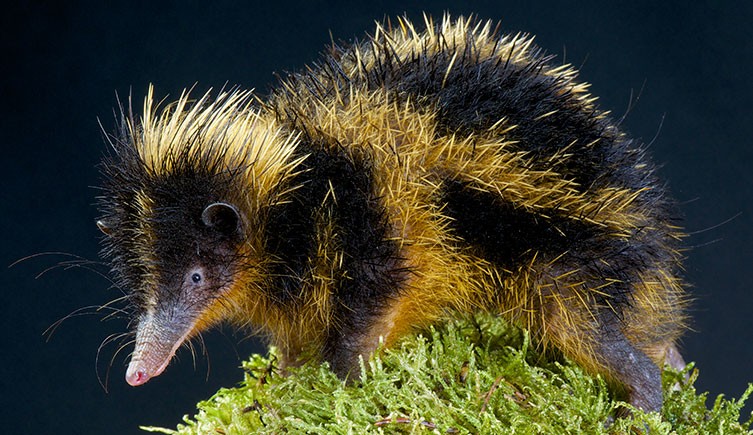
{"points": [[137, 377]]}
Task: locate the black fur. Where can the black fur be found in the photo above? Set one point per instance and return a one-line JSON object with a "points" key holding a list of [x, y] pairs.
{"points": [[507, 235], [370, 268]]}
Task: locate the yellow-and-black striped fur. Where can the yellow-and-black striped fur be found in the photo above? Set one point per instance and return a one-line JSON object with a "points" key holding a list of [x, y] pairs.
{"points": [[397, 180]]}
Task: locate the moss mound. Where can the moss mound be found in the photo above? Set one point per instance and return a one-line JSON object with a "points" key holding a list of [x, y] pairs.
{"points": [[473, 375]]}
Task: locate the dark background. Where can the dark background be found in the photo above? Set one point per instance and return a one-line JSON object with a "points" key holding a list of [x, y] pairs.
{"points": [[61, 67]]}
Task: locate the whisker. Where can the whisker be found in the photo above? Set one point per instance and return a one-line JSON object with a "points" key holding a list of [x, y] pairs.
{"points": [[658, 131], [190, 346], [632, 102], [112, 360], [726, 221], [109, 339], [47, 253], [75, 313], [114, 311], [82, 264], [70, 264], [205, 353], [74, 261], [701, 245], [689, 201]]}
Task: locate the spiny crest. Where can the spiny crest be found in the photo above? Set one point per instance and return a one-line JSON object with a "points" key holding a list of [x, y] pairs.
{"points": [[456, 34], [462, 37], [452, 49], [221, 135]]}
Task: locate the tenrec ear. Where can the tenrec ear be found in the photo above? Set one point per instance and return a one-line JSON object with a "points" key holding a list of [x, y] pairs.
{"points": [[223, 217], [104, 227]]}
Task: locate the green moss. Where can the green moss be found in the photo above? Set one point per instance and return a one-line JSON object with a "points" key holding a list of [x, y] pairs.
{"points": [[466, 376]]}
